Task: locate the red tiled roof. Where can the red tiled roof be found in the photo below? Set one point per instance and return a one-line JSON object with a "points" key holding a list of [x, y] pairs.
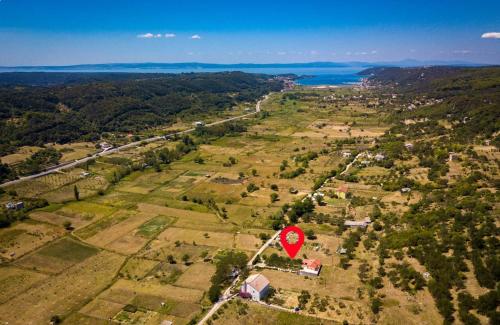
{"points": [[311, 264], [343, 188]]}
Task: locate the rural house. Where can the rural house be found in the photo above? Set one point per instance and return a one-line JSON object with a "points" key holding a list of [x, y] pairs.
{"points": [[310, 267], [341, 191], [358, 223], [15, 205], [255, 287]]}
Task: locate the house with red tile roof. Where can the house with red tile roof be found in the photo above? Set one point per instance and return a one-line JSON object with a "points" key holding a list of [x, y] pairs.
{"points": [[310, 267], [342, 191]]}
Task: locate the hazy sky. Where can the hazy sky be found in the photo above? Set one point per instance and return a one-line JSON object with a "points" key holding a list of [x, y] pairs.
{"points": [[57, 32]]}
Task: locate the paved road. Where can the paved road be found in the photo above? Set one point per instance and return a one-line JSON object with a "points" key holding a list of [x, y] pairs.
{"points": [[68, 165]]}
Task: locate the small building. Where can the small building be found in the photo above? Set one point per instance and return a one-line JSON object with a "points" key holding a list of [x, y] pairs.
{"points": [[85, 174], [310, 267], [255, 287], [341, 191], [15, 205], [105, 146], [409, 145], [341, 250], [346, 154], [405, 190], [379, 157], [199, 123], [358, 223]]}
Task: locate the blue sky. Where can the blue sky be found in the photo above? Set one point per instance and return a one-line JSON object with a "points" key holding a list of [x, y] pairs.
{"points": [[50, 32]]}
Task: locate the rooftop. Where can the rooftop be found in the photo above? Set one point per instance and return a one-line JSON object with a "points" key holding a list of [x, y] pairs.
{"points": [[257, 281]]}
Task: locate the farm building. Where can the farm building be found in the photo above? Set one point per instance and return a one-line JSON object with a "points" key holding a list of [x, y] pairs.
{"points": [[358, 223], [255, 287], [310, 267], [409, 145], [15, 205], [342, 191], [379, 157], [346, 154], [199, 123], [105, 146]]}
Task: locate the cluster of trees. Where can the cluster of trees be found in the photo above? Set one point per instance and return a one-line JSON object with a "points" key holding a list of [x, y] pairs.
{"points": [[225, 263]]}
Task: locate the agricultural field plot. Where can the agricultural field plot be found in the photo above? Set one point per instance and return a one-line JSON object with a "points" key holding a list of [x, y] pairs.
{"points": [[130, 234], [63, 293], [85, 210], [137, 268], [25, 237], [20, 155], [197, 276], [177, 301], [58, 256], [14, 280], [188, 218], [146, 182], [87, 187], [75, 150], [249, 313]]}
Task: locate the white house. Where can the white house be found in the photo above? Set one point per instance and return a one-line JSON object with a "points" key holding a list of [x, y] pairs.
{"points": [[355, 223], [199, 123], [379, 157], [105, 146], [255, 287]]}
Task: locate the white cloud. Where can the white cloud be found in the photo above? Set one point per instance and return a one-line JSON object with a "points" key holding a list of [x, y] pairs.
{"points": [[461, 51], [149, 35], [281, 53], [491, 35], [313, 52], [170, 35], [196, 36], [374, 52]]}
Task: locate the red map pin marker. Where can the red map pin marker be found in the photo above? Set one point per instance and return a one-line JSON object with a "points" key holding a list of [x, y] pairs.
{"points": [[292, 248]]}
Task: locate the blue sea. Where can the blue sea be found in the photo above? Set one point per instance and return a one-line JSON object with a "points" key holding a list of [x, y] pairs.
{"points": [[331, 76]]}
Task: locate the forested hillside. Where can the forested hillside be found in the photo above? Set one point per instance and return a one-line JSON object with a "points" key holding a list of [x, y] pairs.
{"points": [[466, 98], [87, 105]]}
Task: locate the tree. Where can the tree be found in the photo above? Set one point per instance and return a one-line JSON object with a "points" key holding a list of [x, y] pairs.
{"points": [[185, 258], [77, 193], [171, 259], [310, 234], [274, 187], [376, 305], [214, 292], [274, 197], [67, 225]]}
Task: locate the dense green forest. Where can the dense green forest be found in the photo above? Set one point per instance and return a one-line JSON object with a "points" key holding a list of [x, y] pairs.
{"points": [[84, 108], [468, 98]]}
